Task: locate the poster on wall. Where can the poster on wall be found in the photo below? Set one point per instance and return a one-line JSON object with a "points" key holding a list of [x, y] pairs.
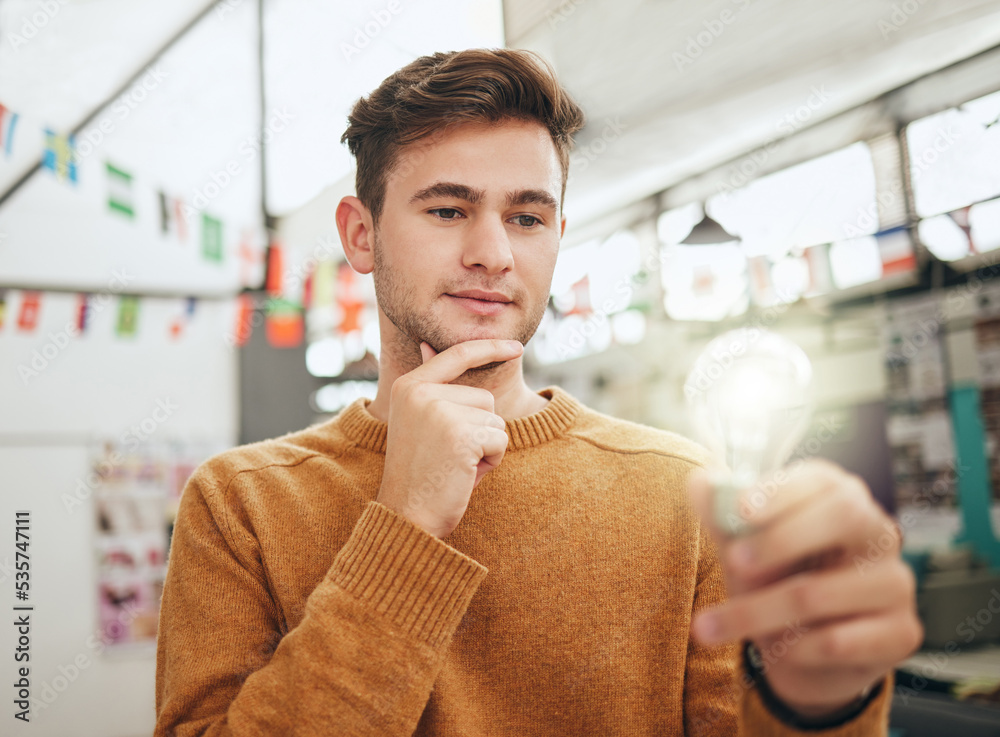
{"points": [[918, 422], [135, 504]]}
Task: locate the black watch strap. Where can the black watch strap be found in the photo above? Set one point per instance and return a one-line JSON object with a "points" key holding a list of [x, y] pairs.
{"points": [[755, 667]]}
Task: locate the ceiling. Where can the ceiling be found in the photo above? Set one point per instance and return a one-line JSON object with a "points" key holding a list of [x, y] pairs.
{"points": [[677, 87]]}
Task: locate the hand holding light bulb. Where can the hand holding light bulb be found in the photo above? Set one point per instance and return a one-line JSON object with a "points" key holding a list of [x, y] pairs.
{"points": [[797, 561], [750, 397]]}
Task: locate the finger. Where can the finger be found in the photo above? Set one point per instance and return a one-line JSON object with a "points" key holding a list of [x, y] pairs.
{"points": [[868, 640], [493, 449], [469, 396], [807, 600], [451, 363], [426, 352], [788, 488], [843, 520]]}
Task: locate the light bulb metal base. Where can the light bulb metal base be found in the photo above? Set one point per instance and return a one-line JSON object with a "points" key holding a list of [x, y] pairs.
{"points": [[727, 492]]}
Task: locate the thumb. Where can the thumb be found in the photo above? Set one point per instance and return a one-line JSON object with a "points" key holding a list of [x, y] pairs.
{"points": [[426, 352]]}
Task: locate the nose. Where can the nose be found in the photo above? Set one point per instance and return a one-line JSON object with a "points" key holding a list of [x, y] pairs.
{"points": [[488, 246]]}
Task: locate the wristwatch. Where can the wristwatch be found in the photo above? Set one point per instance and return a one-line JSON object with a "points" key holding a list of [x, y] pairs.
{"points": [[754, 663]]}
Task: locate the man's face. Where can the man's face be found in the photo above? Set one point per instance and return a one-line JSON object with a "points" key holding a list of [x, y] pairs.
{"points": [[475, 208]]}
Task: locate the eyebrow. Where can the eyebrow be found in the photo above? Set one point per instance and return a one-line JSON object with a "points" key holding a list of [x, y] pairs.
{"points": [[476, 196]]}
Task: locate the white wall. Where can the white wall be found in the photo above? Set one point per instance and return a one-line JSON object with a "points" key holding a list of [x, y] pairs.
{"points": [[96, 387]]}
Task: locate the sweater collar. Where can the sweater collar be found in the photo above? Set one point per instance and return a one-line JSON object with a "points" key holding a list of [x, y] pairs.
{"points": [[358, 424]]}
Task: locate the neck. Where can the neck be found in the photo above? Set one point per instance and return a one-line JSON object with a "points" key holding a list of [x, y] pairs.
{"points": [[399, 355]]}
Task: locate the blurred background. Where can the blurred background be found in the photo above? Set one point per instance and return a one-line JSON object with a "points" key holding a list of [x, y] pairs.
{"points": [[172, 283]]}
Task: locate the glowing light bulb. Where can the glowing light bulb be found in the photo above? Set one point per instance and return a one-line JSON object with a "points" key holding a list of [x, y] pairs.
{"points": [[751, 402]]}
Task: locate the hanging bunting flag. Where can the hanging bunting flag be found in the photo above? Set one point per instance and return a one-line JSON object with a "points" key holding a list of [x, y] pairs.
{"points": [[274, 281], [181, 219], [961, 218], [128, 316], [83, 310], [27, 319], [3, 305], [249, 258], [896, 250], [178, 323], [119, 191], [172, 216], [820, 271], [244, 319], [283, 324], [60, 155], [324, 289], [8, 119], [211, 238], [348, 300], [307, 290], [761, 286], [703, 280], [581, 297]]}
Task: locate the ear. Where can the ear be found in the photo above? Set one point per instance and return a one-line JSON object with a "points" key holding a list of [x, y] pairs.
{"points": [[357, 234], [563, 228]]}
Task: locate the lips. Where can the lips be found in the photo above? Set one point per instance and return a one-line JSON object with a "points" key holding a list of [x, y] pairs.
{"points": [[481, 303], [481, 295]]}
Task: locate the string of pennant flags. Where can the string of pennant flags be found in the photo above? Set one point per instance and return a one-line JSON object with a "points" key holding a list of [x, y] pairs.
{"points": [[283, 318], [25, 317], [332, 293], [60, 158]]}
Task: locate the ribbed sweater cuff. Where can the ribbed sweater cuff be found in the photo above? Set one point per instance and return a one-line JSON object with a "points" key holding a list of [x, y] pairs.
{"points": [[414, 579]]}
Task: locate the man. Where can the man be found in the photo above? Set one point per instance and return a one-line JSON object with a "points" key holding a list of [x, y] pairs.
{"points": [[464, 556]]}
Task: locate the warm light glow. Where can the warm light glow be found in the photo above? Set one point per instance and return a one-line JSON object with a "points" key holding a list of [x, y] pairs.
{"points": [[944, 238], [325, 357], [334, 397], [629, 327]]}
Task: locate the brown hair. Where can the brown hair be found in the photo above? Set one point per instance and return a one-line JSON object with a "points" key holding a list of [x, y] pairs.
{"points": [[440, 90]]}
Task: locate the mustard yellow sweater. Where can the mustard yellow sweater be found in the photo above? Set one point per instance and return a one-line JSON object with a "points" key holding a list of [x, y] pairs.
{"points": [[295, 604]]}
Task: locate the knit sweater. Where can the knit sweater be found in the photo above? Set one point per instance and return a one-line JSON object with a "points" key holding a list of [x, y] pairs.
{"points": [[295, 604]]}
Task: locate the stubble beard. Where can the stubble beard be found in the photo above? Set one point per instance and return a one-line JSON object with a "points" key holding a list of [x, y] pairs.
{"points": [[396, 300]]}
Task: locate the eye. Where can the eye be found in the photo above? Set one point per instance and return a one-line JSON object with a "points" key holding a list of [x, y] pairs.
{"points": [[533, 220], [445, 213]]}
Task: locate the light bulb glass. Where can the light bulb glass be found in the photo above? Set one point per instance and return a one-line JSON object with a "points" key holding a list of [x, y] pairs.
{"points": [[751, 402]]}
